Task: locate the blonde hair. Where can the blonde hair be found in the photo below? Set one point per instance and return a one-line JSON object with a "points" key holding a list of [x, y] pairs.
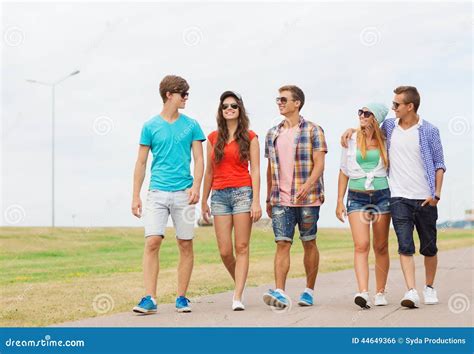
{"points": [[379, 137]]}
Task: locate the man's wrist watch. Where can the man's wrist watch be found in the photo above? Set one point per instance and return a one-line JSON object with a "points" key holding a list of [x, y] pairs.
{"points": [[437, 198]]}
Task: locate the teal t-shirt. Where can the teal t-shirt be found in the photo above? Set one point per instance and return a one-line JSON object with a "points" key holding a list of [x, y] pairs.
{"points": [[371, 161], [170, 145]]}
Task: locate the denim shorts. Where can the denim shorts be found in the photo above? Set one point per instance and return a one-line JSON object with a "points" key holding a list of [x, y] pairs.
{"points": [[160, 205], [285, 219], [374, 202], [407, 214], [233, 200]]}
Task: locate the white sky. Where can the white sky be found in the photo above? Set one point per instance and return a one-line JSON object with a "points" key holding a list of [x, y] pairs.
{"points": [[342, 54]]}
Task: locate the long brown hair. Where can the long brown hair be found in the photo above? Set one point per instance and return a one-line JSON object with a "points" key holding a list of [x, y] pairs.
{"points": [[241, 134], [379, 137]]}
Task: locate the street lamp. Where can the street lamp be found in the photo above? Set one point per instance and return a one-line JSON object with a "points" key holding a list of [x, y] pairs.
{"points": [[53, 93]]}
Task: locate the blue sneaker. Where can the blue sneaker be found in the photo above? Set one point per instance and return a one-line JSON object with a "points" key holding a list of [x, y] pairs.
{"points": [[275, 299], [182, 304], [145, 306], [306, 299]]}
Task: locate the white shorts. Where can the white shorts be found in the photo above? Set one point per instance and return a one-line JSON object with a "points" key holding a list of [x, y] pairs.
{"points": [[160, 205]]}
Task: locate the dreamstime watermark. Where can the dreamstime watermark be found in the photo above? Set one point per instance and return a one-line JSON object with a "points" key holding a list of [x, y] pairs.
{"points": [[103, 303], [14, 214], [357, 316], [277, 120], [22, 296], [13, 36], [369, 36], [459, 303], [459, 125], [189, 213], [369, 213], [46, 342], [283, 310], [192, 36], [103, 125], [185, 132]]}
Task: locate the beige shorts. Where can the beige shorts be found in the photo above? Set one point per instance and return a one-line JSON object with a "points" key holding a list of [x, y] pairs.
{"points": [[160, 205]]}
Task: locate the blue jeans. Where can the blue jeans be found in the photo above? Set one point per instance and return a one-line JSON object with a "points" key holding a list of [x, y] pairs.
{"points": [[373, 202], [407, 214], [285, 219], [229, 201]]}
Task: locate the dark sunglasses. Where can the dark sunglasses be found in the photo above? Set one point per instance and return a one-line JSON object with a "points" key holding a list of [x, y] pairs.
{"points": [[224, 106], [395, 105], [183, 94], [366, 114], [282, 100]]}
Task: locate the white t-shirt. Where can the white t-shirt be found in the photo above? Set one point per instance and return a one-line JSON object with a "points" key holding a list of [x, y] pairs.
{"points": [[407, 173]]}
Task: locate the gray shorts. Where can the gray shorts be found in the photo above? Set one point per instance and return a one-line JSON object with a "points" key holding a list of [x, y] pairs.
{"points": [[160, 205]]}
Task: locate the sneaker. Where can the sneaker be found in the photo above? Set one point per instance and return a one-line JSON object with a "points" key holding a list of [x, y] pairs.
{"points": [[430, 296], [411, 299], [362, 299], [182, 304], [146, 306], [306, 299], [275, 298], [380, 300], [237, 305]]}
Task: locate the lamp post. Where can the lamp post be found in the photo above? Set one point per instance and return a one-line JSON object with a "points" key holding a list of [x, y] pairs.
{"points": [[53, 93]]}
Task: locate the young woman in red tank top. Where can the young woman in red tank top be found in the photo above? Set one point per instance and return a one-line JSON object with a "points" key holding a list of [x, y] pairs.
{"points": [[235, 199]]}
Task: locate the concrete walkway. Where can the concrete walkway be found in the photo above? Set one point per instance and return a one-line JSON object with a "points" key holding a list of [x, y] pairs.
{"points": [[333, 303]]}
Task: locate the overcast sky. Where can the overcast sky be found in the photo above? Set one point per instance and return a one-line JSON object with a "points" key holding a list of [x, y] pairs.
{"points": [[341, 54]]}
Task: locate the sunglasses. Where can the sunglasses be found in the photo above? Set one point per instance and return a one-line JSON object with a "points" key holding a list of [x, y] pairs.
{"points": [[225, 106], [282, 100], [366, 114], [395, 105], [183, 94]]}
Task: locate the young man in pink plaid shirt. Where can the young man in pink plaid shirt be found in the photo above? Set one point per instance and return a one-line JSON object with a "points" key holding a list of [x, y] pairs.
{"points": [[296, 150]]}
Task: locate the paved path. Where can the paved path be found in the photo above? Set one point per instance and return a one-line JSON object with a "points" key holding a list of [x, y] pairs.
{"points": [[334, 306]]}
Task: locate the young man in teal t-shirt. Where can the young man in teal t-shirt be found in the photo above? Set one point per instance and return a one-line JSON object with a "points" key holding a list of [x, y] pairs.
{"points": [[170, 137]]}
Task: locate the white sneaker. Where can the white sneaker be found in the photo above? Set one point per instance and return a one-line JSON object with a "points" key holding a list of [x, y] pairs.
{"points": [[362, 299], [430, 296], [237, 305], [380, 300], [411, 299]]}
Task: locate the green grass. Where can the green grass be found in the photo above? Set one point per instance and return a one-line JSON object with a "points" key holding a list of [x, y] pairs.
{"points": [[42, 268]]}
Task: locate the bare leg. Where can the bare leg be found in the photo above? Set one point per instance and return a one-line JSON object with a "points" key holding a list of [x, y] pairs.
{"points": [[151, 263], [242, 230], [185, 266], [431, 263], [360, 229], [380, 227], [408, 268], [311, 262], [223, 226], [282, 263]]}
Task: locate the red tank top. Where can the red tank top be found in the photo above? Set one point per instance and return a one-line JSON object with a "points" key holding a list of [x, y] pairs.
{"points": [[230, 171]]}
